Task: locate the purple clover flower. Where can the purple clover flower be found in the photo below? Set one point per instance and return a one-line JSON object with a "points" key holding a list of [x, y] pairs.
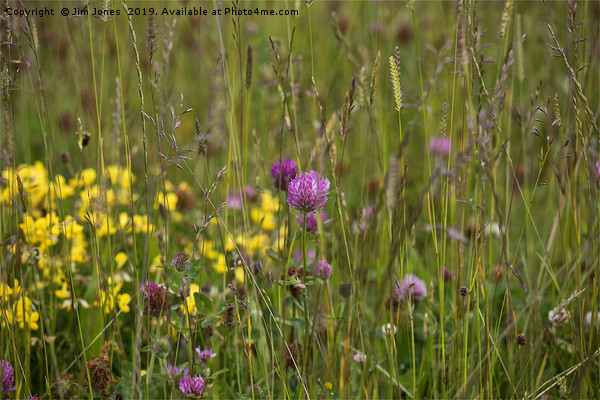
{"points": [[192, 388], [308, 192], [156, 298], [8, 376], [283, 171], [312, 223], [322, 270], [180, 262], [440, 145], [205, 355], [236, 199], [359, 357], [172, 371], [445, 273], [411, 287]]}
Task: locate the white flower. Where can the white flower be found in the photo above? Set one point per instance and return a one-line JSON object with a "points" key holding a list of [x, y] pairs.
{"points": [[557, 316], [388, 328], [492, 229], [587, 320]]}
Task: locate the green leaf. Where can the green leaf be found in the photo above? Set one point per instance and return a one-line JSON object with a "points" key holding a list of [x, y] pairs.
{"points": [[297, 323], [219, 372], [205, 303]]}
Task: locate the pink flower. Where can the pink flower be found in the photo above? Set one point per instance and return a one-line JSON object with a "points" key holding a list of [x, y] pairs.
{"points": [[308, 192], [359, 357], [440, 145], [412, 288], [192, 388], [205, 355], [322, 270], [171, 371], [283, 171]]}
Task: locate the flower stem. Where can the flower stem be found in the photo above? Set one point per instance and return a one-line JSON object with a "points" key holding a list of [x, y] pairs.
{"points": [[306, 331]]}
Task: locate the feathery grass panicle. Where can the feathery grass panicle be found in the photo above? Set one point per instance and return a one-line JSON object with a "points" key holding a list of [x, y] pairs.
{"points": [[461, 37], [249, 65], [443, 118], [34, 34], [151, 36], [557, 117], [395, 75], [373, 86], [8, 152], [500, 89], [200, 138], [117, 114], [361, 87], [506, 16], [348, 107], [391, 182]]}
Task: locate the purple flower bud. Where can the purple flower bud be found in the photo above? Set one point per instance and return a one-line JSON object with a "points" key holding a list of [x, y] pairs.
{"points": [[445, 273], [172, 371], [180, 262], [205, 355], [322, 270]]}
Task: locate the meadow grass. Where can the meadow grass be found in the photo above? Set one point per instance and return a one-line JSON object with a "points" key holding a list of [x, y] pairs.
{"points": [[152, 246]]}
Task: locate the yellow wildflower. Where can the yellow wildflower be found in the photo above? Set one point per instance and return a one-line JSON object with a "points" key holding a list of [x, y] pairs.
{"points": [[123, 302], [120, 259], [266, 219], [206, 248], [24, 314], [239, 274], [168, 201], [220, 266], [63, 292], [268, 203], [85, 178], [190, 301]]}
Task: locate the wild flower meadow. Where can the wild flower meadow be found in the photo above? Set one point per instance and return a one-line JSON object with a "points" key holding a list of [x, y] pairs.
{"points": [[300, 199]]}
